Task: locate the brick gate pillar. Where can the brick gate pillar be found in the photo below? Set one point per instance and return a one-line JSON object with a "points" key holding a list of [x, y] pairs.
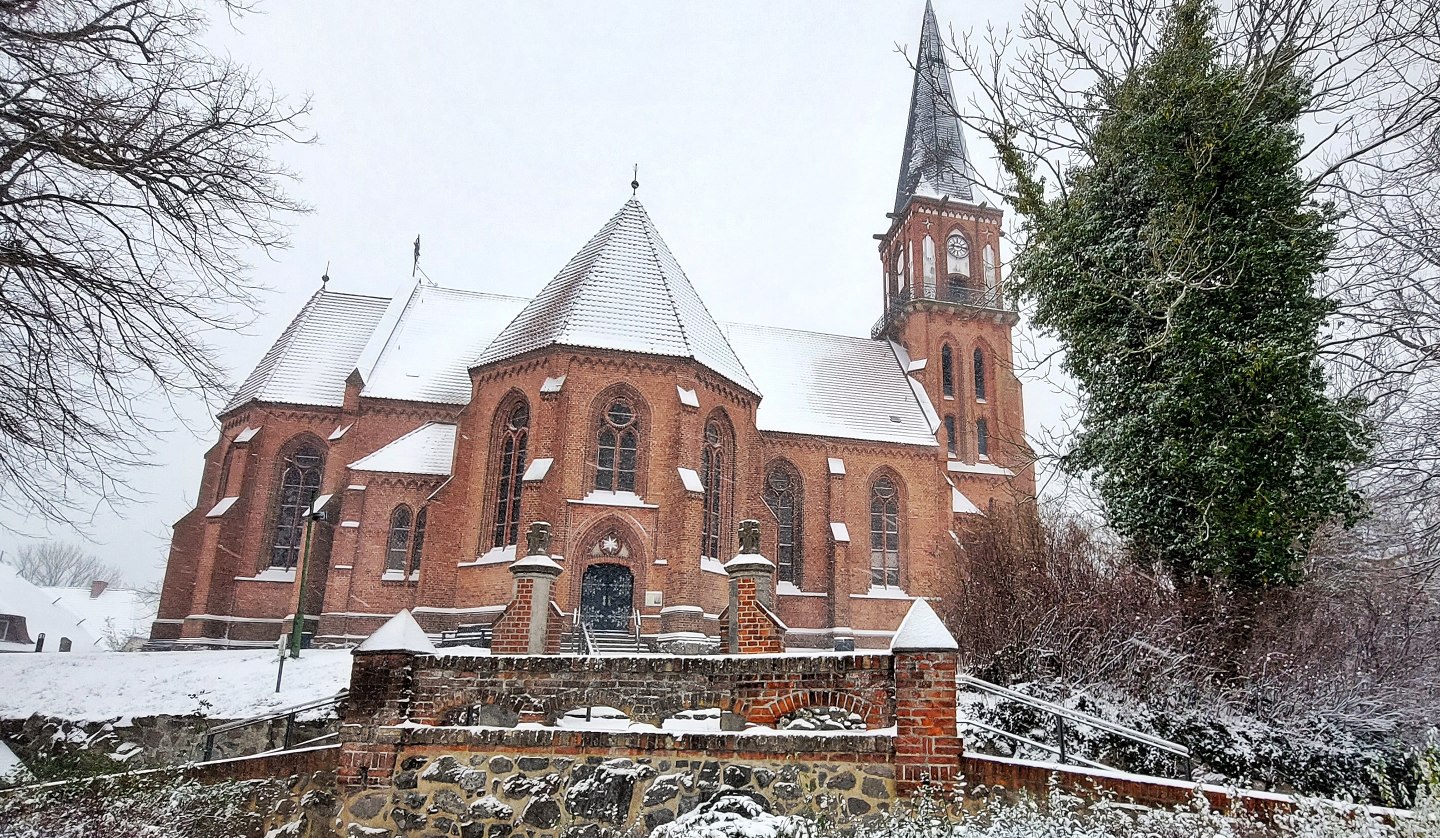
{"points": [[382, 677], [749, 625], [526, 627], [926, 658]]}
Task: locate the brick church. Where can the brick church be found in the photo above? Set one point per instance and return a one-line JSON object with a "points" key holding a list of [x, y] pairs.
{"points": [[391, 453]]}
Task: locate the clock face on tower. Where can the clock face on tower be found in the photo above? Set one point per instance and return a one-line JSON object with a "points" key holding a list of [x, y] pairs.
{"points": [[958, 247]]}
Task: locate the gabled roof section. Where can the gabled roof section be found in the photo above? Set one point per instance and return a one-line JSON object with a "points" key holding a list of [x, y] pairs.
{"points": [[309, 362], [624, 291], [934, 163], [436, 335], [831, 385], [429, 449]]}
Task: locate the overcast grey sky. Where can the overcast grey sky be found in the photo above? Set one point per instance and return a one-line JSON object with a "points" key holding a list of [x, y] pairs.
{"points": [[768, 137]]}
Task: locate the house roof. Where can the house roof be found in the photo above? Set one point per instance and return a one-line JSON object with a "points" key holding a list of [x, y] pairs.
{"points": [[625, 291], [934, 162], [309, 362], [429, 449], [832, 385], [120, 613], [437, 334], [20, 597]]}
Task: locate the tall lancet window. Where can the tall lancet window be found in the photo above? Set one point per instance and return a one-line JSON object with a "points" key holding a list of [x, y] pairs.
{"points": [[514, 431], [715, 477], [399, 543], [884, 534], [617, 447], [947, 372], [982, 439], [979, 374], [988, 259], [928, 251], [901, 280], [299, 484], [782, 497]]}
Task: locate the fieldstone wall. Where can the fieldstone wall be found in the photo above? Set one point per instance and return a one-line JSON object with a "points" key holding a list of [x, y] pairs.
{"points": [[573, 784]]}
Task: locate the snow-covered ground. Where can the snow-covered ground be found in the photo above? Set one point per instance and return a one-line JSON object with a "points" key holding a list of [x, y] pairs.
{"points": [[220, 685]]}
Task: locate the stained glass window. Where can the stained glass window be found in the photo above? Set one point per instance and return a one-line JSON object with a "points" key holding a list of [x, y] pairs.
{"points": [[782, 496], [299, 485], [399, 543], [884, 534], [617, 448], [514, 434]]}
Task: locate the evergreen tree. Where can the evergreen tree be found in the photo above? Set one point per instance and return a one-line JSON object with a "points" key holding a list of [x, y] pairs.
{"points": [[1179, 271]]}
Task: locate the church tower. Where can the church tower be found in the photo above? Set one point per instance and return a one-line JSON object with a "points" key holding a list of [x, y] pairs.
{"points": [[945, 299]]}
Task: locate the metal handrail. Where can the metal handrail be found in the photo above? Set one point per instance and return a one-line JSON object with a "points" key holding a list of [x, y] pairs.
{"points": [[1025, 740], [287, 713], [635, 623], [587, 640], [1062, 713]]}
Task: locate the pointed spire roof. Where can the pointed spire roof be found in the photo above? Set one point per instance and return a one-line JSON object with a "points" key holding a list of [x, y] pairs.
{"points": [[935, 162], [623, 291]]}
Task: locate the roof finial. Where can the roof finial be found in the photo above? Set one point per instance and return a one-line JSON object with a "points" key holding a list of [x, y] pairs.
{"points": [[325, 277], [635, 181], [415, 265]]}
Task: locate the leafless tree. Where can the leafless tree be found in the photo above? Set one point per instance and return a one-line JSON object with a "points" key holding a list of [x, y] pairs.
{"points": [[135, 181], [61, 564]]}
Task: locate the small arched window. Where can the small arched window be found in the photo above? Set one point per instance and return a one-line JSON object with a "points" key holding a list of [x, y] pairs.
{"points": [[947, 371], [398, 545], [928, 251], [782, 497], [884, 534], [417, 544], [222, 482], [988, 264], [980, 374], [715, 477], [617, 444], [982, 439], [514, 432], [951, 445], [299, 485]]}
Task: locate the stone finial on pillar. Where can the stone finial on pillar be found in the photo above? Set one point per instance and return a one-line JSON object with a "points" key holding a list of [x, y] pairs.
{"points": [[524, 628], [749, 624], [926, 660]]}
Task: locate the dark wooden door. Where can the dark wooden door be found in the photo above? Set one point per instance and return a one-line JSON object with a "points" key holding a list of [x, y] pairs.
{"points": [[607, 596]]}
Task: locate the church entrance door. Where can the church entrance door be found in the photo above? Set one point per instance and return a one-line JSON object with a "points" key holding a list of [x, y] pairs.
{"points": [[607, 597]]}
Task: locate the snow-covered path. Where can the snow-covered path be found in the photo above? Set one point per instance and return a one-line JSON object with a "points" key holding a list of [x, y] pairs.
{"points": [[220, 685]]}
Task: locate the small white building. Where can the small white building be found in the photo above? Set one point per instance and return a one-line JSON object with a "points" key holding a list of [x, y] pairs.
{"points": [[90, 619]]}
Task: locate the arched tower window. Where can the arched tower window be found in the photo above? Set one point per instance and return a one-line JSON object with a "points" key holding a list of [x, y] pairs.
{"points": [[982, 439], [901, 282], [951, 445], [417, 544], [987, 257], [928, 251], [782, 497], [617, 445], [398, 545], [299, 484], [884, 534], [715, 465], [514, 434], [957, 260], [947, 371], [979, 373]]}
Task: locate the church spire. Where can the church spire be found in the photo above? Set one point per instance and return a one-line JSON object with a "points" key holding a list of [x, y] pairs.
{"points": [[934, 163]]}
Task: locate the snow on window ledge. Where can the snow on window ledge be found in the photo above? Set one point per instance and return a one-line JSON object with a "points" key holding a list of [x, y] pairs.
{"points": [[600, 497], [270, 574], [496, 555], [393, 576], [879, 592], [784, 588], [710, 565]]}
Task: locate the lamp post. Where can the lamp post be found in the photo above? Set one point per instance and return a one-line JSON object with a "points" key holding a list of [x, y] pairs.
{"points": [[297, 626]]}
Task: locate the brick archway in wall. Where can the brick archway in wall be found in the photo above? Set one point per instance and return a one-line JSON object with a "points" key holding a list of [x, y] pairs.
{"points": [[769, 712]]}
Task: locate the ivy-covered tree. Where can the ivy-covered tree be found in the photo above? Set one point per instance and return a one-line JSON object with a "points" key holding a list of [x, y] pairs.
{"points": [[1179, 269]]}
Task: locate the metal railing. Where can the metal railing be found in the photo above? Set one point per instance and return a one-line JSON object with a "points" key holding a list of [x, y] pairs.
{"points": [[289, 714], [635, 626], [477, 634], [986, 298], [1062, 715]]}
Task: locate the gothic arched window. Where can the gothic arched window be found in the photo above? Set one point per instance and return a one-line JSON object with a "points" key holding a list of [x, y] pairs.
{"points": [[398, 545], [947, 371], [951, 445], [979, 374], [617, 444], [884, 534], [417, 543], [928, 251], [714, 476], [514, 431], [982, 439], [987, 257], [299, 484], [782, 496]]}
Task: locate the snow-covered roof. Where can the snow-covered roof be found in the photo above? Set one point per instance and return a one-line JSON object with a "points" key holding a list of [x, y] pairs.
{"points": [[309, 362], [625, 291], [118, 613], [831, 385], [399, 634], [20, 597], [429, 449], [922, 631], [437, 334], [934, 163]]}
